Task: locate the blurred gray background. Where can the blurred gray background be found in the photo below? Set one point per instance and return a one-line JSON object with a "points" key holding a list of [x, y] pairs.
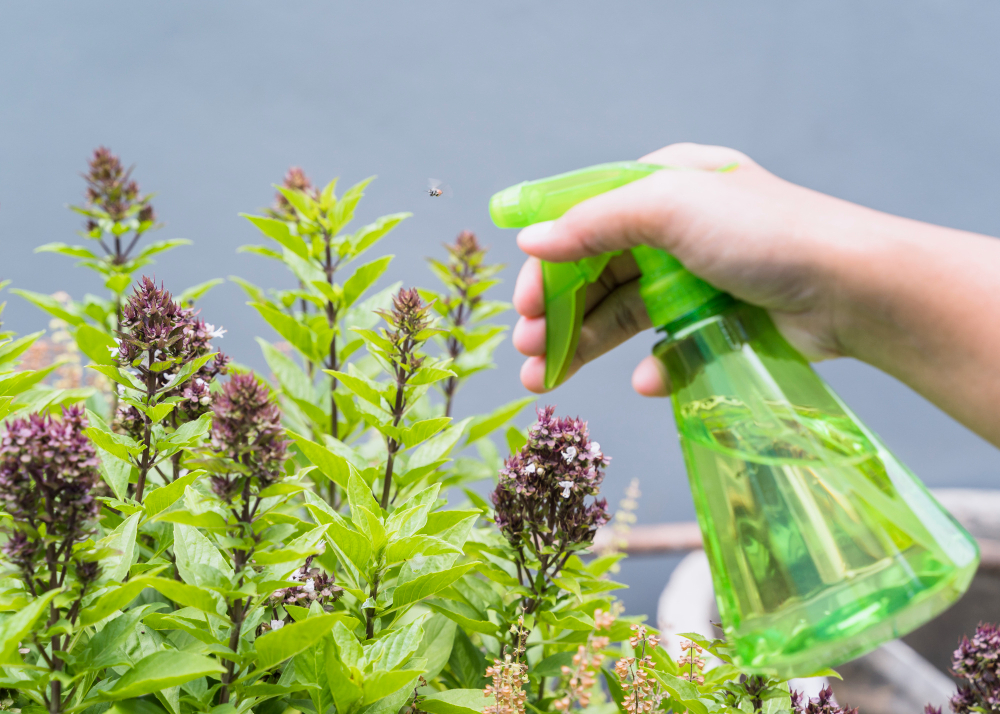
{"points": [[891, 104]]}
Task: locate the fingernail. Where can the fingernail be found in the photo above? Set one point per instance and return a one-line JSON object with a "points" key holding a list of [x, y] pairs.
{"points": [[534, 234]]}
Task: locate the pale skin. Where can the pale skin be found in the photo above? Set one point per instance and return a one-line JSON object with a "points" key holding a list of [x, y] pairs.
{"points": [[918, 301]]}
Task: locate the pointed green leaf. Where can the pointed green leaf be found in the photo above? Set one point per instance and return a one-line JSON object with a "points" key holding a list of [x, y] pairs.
{"points": [[279, 231], [16, 627], [334, 467], [497, 418], [363, 278], [456, 701], [276, 646], [165, 496], [98, 345], [427, 585], [155, 672]]}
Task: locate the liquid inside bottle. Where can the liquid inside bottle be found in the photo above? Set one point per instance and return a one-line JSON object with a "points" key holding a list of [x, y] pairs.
{"points": [[822, 544]]}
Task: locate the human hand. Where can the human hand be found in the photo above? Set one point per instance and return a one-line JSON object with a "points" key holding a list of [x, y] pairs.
{"points": [[762, 239]]}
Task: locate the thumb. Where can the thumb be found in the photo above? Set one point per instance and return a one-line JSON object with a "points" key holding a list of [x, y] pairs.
{"points": [[641, 213], [635, 214]]}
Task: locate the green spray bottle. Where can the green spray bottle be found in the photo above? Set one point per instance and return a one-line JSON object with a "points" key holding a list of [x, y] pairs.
{"points": [[822, 544]]}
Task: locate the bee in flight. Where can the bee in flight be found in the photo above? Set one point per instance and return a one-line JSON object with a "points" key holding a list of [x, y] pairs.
{"points": [[435, 188]]}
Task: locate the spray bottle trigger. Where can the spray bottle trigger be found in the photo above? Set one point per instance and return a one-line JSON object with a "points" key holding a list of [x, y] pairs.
{"points": [[565, 286]]}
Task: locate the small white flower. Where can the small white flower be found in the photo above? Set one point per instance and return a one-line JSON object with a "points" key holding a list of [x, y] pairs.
{"points": [[310, 586], [566, 487], [595, 448], [277, 624], [569, 454], [214, 332], [529, 469]]}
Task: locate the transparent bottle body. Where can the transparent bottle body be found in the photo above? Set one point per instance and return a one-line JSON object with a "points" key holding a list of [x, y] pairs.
{"points": [[822, 544]]}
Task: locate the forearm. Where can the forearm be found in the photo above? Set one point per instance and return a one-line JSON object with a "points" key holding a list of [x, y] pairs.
{"points": [[921, 303]]}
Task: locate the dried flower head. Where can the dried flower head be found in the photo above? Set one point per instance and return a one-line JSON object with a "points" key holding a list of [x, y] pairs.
{"points": [[309, 585], [111, 189], [545, 491], [977, 661], [823, 704], [246, 428], [692, 664], [48, 471], [508, 677], [578, 682], [158, 337]]}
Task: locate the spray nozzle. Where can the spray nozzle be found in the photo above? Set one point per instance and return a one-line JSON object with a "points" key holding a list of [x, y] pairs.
{"points": [[667, 289]]}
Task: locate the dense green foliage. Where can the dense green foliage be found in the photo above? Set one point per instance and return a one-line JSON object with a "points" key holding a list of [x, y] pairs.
{"points": [[226, 542]]}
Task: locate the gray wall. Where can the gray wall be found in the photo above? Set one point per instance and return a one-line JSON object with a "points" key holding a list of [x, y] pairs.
{"points": [[891, 104]]}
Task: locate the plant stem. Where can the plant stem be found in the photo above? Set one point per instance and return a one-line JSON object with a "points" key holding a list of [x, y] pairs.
{"points": [[238, 609], [458, 319], [330, 268], [147, 461], [370, 612]]}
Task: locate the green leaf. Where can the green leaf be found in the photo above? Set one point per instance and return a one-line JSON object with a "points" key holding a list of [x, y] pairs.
{"points": [[363, 278], [161, 246], [115, 444], [456, 701], [122, 541], [115, 375], [160, 670], [73, 251], [422, 430], [302, 202], [115, 473], [426, 585], [96, 344], [11, 350], [435, 648], [196, 292], [298, 335], [394, 650], [406, 548], [276, 646], [16, 627], [343, 212], [467, 662], [381, 684], [515, 439], [552, 665], [293, 380], [366, 236], [349, 651], [429, 375], [50, 305], [346, 691], [159, 412], [135, 706], [165, 496], [118, 283], [356, 546], [278, 231], [191, 549], [187, 371], [190, 432], [682, 691], [497, 418], [334, 467], [359, 385], [438, 447]]}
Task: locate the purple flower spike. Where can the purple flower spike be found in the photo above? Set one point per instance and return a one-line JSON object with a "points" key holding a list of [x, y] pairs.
{"points": [[544, 488], [48, 471], [978, 662], [155, 329], [246, 428]]}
